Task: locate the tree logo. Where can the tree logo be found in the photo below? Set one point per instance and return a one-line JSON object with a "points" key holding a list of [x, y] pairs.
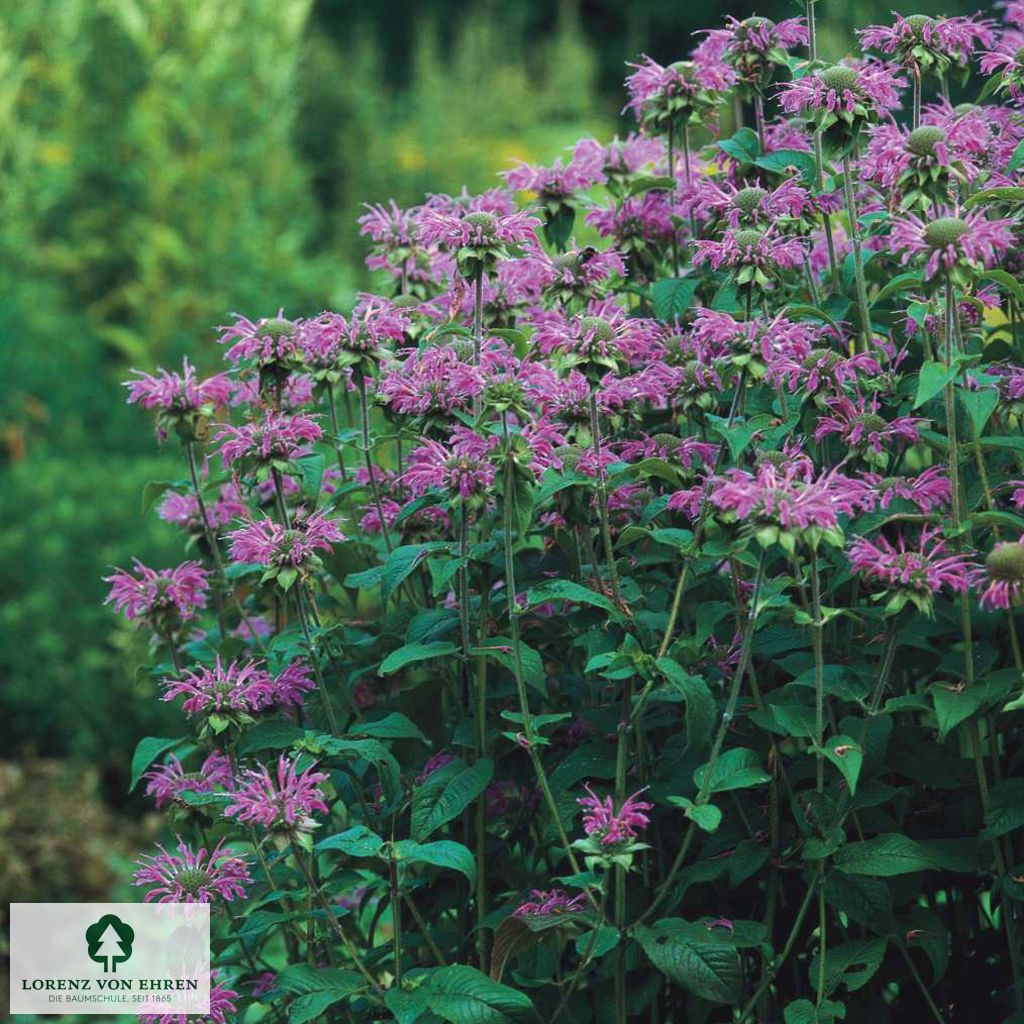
{"points": [[110, 941]]}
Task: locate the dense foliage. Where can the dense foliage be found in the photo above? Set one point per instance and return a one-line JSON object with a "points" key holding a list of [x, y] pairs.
{"points": [[624, 631]]}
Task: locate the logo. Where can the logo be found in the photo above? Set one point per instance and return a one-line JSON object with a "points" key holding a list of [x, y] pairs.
{"points": [[110, 942]]}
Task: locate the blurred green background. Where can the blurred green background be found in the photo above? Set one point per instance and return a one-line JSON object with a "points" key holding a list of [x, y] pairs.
{"points": [[166, 162]]}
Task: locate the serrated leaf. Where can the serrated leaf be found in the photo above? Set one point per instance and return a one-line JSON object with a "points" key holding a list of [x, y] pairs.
{"points": [[803, 1011], [710, 970], [737, 768], [671, 296], [394, 726], [446, 793], [933, 378], [274, 734], [464, 995], [442, 853], [846, 755], [895, 854], [567, 590], [1005, 811], [358, 841], [402, 562], [707, 816], [852, 964]]}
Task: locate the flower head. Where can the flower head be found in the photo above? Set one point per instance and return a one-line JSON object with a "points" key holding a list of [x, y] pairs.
{"points": [[167, 782], [183, 402], [193, 876], [221, 1006], [1002, 578], [281, 802], [268, 543], [928, 45], [550, 902], [166, 598], [273, 441], [610, 827], [947, 243], [909, 574]]}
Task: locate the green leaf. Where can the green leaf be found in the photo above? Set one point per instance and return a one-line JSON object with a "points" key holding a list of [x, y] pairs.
{"points": [[395, 726], [744, 146], [671, 296], [738, 768], [558, 229], [803, 1011], [153, 491], [953, 705], [709, 969], [402, 562], [979, 404], [274, 734], [737, 435], [852, 964], [895, 854], [147, 751], [700, 705], [707, 816], [411, 653], [846, 755], [642, 185], [499, 648], [812, 313], [358, 841], [900, 283], [1016, 159], [311, 468], [442, 853], [1001, 277], [1005, 811], [316, 989], [934, 377], [567, 590], [779, 159], [464, 995], [1001, 194], [446, 793]]}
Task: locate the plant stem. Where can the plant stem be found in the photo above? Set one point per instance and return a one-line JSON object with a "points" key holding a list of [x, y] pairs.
{"points": [[621, 759], [335, 924], [339, 449], [858, 259], [364, 416], [211, 540], [602, 500], [314, 661], [396, 912], [817, 637], [919, 981], [478, 313], [716, 747], [916, 117]]}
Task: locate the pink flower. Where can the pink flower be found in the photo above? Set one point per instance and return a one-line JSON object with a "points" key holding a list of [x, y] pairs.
{"points": [[178, 593], [268, 543], [600, 818], [947, 240], [944, 40], [789, 496], [924, 570], [248, 687], [751, 47], [548, 902], [480, 228], [1002, 578], [167, 782], [434, 380], [331, 341], [183, 509], [866, 91], [761, 253], [193, 877], [270, 341], [928, 490], [556, 182], [221, 1005], [178, 392], [277, 438], [859, 423], [285, 802], [462, 469]]}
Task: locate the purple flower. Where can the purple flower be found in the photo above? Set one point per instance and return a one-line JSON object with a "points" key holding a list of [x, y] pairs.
{"points": [[268, 543], [948, 240], [757, 255], [1002, 578], [463, 468], [860, 424], [432, 765], [928, 45], [167, 597], [844, 93], [221, 1005], [269, 341], [549, 902], [277, 438], [556, 183], [601, 819], [193, 877], [476, 228], [284, 802], [167, 782], [178, 397], [183, 509], [920, 572], [248, 688], [928, 490], [752, 47], [434, 380]]}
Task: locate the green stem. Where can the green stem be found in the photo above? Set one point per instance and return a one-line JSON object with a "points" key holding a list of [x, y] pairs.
{"points": [[364, 416], [919, 981], [211, 541], [396, 912], [716, 747], [621, 759], [858, 259], [602, 500], [339, 449]]}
